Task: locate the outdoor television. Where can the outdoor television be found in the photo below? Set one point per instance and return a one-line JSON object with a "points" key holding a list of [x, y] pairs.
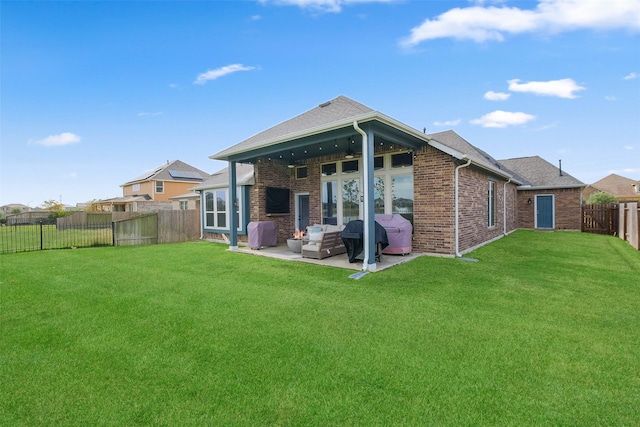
{"points": [[277, 200]]}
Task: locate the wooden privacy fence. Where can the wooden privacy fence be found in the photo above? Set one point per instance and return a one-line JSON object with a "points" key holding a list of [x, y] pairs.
{"points": [[84, 220], [600, 219], [142, 230], [622, 220], [159, 227], [629, 221]]}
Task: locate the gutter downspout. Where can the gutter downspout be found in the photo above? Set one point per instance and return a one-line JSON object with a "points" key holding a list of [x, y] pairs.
{"points": [[456, 231], [233, 226], [201, 216], [504, 207], [367, 255]]}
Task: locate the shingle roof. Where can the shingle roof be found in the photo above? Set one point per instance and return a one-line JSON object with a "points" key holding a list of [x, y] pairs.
{"points": [[617, 185], [334, 111], [172, 171], [458, 143], [539, 173], [220, 179]]}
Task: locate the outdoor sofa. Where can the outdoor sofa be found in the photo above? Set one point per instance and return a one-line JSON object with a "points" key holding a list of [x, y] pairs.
{"points": [[324, 240]]}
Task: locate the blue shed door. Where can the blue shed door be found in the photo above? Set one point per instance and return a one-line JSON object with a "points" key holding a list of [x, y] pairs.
{"points": [[544, 212]]}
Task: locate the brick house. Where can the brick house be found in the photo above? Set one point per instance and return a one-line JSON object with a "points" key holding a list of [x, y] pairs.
{"points": [[342, 161]]}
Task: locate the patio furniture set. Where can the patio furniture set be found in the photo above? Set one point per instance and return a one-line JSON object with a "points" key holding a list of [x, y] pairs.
{"points": [[393, 236]]}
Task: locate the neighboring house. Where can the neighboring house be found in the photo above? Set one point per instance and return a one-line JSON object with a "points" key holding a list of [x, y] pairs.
{"points": [[187, 201], [623, 189], [155, 189], [14, 207], [343, 161]]}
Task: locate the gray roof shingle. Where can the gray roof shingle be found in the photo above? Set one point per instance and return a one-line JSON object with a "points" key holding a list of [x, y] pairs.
{"points": [[220, 179], [336, 110], [458, 143], [539, 173]]}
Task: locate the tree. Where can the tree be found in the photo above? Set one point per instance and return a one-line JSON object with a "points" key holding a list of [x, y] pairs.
{"points": [[56, 209], [52, 206], [601, 198]]}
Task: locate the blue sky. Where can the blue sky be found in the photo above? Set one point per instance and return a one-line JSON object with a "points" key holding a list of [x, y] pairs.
{"points": [[93, 94]]}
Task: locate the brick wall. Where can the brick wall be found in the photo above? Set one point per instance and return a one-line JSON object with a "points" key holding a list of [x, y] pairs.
{"points": [[272, 174], [434, 194], [433, 205], [474, 212], [568, 211]]}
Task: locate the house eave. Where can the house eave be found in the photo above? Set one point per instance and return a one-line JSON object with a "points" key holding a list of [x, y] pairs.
{"points": [[238, 154], [203, 187], [548, 187]]}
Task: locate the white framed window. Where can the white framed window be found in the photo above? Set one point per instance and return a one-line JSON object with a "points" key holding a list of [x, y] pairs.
{"points": [[392, 188], [395, 172], [330, 202], [341, 192], [159, 186], [217, 209], [135, 187], [491, 204], [184, 205]]}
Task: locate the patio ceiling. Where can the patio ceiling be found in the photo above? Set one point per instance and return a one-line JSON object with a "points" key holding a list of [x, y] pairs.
{"points": [[332, 140]]}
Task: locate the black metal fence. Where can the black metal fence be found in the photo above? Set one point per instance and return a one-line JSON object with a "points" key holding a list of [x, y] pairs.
{"points": [[33, 233]]}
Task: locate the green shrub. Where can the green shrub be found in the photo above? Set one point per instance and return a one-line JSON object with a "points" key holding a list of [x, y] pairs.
{"points": [[601, 198]]}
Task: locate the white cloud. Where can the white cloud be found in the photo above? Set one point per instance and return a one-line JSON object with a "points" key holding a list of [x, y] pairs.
{"points": [[502, 119], [220, 72], [72, 175], [496, 96], [481, 24], [563, 88], [334, 6], [609, 98], [628, 147], [455, 122], [255, 17], [64, 138], [631, 76]]}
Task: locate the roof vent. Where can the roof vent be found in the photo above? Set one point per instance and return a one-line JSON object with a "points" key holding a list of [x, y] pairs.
{"points": [[324, 104]]}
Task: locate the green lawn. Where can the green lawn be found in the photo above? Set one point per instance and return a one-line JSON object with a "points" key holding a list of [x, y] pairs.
{"points": [[543, 330]]}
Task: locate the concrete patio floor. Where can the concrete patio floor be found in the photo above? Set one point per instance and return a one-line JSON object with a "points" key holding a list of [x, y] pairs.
{"points": [[339, 261]]}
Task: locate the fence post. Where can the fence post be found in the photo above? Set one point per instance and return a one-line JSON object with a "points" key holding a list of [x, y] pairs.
{"points": [[113, 232], [41, 246]]}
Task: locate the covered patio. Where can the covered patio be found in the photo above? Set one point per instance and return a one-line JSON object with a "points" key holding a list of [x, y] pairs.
{"points": [[341, 128]]}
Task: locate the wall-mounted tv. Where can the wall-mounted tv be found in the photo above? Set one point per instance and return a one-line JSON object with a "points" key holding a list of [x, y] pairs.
{"points": [[277, 200]]}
